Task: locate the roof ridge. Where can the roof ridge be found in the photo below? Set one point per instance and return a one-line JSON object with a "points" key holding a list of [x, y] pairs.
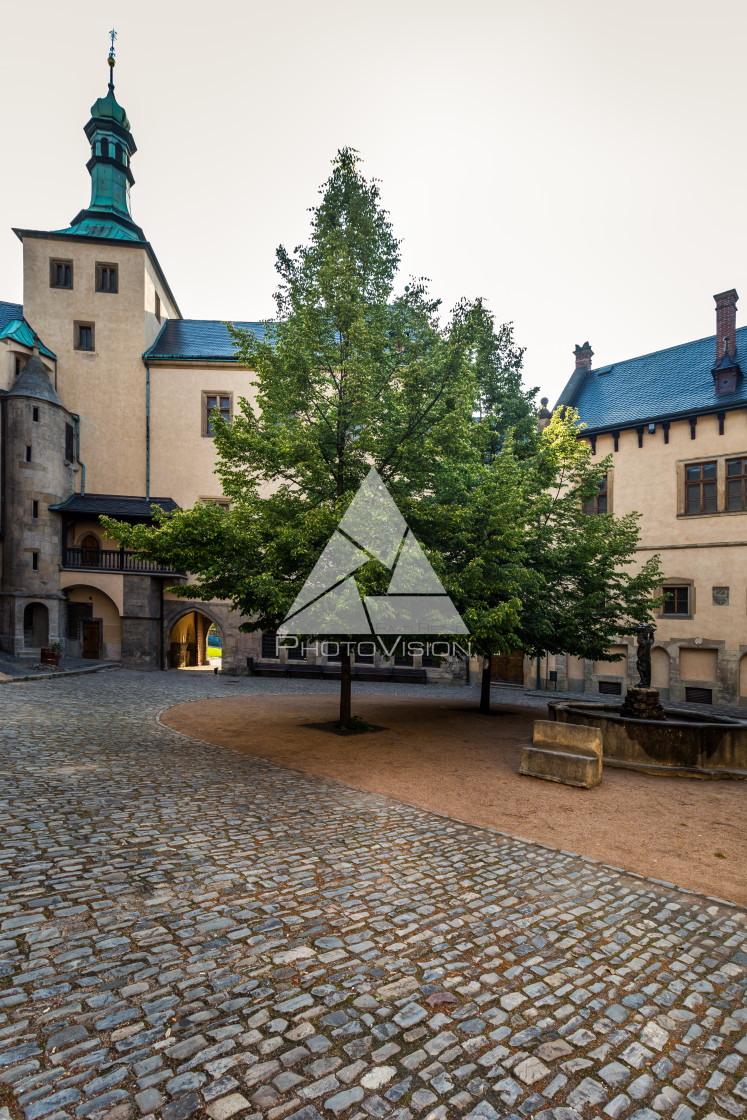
{"points": [[663, 350]]}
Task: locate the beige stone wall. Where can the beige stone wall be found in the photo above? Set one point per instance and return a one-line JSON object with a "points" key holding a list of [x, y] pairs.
{"points": [[106, 386], [182, 458], [109, 584]]}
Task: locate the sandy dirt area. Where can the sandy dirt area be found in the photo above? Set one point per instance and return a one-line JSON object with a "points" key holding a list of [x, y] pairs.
{"points": [[442, 755]]}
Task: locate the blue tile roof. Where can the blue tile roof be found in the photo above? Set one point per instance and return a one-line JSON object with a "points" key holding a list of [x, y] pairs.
{"points": [[13, 325], [9, 312], [198, 340], [666, 383]]}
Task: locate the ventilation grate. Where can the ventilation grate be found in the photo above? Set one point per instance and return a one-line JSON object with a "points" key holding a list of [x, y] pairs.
{"points": [[699, 695], [610, 688]]}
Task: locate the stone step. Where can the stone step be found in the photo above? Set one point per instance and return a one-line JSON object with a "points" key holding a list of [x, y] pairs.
{"points": [[564, 752]]}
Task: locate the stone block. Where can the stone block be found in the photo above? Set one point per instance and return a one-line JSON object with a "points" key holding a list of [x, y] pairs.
{"points": [[564, 752]]}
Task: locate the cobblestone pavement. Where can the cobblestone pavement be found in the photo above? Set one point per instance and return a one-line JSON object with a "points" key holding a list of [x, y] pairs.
{"points": [[185, 931]]}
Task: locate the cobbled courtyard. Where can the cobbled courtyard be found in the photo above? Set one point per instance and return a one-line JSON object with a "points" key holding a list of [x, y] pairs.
{"points": [[185, 931]]}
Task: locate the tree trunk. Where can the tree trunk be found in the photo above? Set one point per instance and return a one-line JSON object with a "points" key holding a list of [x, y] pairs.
{"points": [[485, 686], [345, 686]]}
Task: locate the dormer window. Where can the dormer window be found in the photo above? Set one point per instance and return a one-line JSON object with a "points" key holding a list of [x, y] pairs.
{"points": [[726, 373]]}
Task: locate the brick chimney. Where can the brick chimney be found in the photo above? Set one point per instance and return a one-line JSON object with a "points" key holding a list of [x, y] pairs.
{"points": [[584, 354], [726, 323]]}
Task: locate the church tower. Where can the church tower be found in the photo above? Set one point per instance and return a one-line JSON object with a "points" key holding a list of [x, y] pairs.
{"points": [[112, 148]]}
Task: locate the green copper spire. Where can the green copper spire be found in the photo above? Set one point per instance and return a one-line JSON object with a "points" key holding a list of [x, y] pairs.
{"points": [[112, 146]]}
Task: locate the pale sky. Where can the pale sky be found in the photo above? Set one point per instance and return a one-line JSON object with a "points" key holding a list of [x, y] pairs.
{"points": [[578, 164]]}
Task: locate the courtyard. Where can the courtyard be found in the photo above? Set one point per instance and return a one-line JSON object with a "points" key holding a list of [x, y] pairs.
{"points": [[190, 931]]}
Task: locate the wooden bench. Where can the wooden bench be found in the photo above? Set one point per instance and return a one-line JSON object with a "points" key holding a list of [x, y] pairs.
{"points": [[397, 674]]}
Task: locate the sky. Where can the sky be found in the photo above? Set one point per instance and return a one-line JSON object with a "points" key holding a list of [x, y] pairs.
{"points": [[576, 164]]}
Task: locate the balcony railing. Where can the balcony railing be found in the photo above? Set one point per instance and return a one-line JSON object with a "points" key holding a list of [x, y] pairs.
{"points": [[114, 560]]}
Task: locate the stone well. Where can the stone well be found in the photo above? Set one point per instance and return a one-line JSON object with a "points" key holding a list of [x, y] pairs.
{"points": [[682, 743]]}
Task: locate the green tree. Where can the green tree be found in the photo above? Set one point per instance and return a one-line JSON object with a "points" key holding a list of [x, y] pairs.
{"points": [[349, 374], [352, 373], [528, 568]]}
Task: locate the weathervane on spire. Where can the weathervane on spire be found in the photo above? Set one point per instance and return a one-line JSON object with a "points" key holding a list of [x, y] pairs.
{"points": [[112, 60]]}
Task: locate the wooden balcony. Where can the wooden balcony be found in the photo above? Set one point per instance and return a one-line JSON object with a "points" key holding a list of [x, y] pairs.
{"points": [[113, 560]]}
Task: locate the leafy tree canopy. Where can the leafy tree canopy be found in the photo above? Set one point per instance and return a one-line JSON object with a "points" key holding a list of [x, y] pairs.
{"points": [[353, 373]]}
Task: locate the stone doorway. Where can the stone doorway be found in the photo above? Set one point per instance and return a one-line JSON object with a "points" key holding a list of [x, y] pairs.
{"points": [[188, 644], [90, 630], [508, 668], [35, 626]]}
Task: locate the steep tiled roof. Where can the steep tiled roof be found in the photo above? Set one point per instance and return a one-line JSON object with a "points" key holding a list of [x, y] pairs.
{"points": [[9, 312], [114, 505], [198, 339], [33, 381], [13, 325], [665, 383]]}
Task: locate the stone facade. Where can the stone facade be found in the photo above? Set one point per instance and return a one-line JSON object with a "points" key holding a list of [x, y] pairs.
{"points": [[675, 426], [35, 474], [100, 422]]}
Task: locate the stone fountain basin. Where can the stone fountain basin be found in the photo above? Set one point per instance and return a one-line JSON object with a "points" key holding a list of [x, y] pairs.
{"points": [[684, 743]]}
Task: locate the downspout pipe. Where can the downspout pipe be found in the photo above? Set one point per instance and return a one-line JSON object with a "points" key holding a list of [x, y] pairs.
{"points": [[147, 430], [3, 453], [78, 459]]}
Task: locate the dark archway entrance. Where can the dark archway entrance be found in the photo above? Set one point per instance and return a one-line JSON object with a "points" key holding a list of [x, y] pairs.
{"points": [[35, 626], [188, 644]]}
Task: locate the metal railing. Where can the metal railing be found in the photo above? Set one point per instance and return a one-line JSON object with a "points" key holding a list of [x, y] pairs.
{"points": [[112, 560]]}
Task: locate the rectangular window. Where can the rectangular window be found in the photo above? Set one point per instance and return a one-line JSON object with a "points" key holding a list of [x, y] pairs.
{"points": [[222, 502], [28, 454], [69, 443], [107, 278], [676, 600], [60, 274], [158, 307], [211, 403], [700, 488], [736, 483], [84, 336], [34, 508], [598, 504], [269, 646], [35, 561], [35, 415], [18, 366]]}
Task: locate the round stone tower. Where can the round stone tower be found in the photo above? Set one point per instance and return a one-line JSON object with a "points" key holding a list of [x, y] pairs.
{"points": [[38, 471]]}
